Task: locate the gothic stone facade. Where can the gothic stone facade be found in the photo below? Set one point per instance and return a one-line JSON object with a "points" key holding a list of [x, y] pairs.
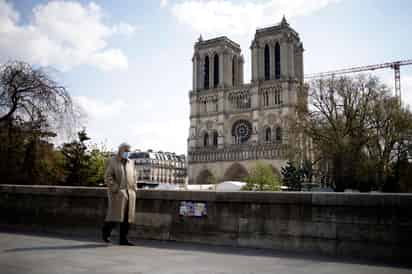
{"points": [[232, 124]]}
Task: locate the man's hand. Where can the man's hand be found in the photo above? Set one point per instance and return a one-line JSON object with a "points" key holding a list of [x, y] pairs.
{"points": [[114, 188]]}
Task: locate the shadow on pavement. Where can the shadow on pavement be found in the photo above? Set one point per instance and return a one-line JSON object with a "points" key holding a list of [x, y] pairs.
{"points": [[94, 242], [63, 247], [250, 251]]}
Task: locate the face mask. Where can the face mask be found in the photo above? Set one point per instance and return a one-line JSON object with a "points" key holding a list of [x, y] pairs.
{"points": [[125, 155]]}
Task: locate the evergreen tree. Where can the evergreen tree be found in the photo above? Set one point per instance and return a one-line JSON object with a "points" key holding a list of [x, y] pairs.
{"points": [[292, 177], [76, 160]]}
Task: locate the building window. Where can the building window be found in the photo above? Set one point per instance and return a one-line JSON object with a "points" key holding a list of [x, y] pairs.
{"points": [[206, 140], [268, 135], [265, 96], [279, 134], [278, 97], [267, 63], [233, 70], [241, 131], [206, 73], [277, 61], [216, 70], [215, 139]]}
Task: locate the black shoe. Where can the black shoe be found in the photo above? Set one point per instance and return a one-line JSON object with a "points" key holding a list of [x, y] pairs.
{"points": [[126, 242], [105, 236]]}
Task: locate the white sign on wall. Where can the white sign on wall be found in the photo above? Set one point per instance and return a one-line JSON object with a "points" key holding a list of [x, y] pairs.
{"points": [[192, 209]]}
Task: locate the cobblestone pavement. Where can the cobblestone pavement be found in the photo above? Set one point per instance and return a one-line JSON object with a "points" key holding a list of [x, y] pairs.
{"points": [[43, 254]]}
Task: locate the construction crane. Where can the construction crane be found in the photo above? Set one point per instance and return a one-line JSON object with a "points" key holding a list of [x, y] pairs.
{"points": [[393, 65]]}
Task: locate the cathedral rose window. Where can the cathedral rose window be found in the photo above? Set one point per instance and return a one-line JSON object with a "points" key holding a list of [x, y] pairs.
{"points": [[241, 130]]}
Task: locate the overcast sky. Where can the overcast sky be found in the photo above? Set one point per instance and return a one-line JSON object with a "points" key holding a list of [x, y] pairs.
{"points": [[128, 63]]}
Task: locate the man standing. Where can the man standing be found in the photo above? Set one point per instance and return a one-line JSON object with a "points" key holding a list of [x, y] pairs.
{"points": [[121, 190]]}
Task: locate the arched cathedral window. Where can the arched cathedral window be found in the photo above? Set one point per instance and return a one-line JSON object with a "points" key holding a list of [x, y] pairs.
{"points": [[216, 70], [279, 134], [265, 96], [215, 139], [267, 62], [278, 97], [233, 70], [206, 73], [277, 61], [268, 135], [206, 139]]}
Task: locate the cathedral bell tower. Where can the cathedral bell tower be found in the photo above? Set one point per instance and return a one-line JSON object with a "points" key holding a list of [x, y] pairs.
{"points": [[277, 53], [217, 66], [217, 63]]}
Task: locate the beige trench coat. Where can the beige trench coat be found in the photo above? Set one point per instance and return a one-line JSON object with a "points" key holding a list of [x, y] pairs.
{"points": [[119, 191]]}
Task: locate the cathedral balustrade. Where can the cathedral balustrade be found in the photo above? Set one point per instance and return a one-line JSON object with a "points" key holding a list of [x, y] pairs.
{"points": [[237, 153], [240, 99]]}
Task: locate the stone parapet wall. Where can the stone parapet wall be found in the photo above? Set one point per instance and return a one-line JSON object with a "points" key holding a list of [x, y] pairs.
{"points": [[377, 226]]}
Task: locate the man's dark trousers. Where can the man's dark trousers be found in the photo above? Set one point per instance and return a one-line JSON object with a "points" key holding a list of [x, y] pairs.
{"points": [[124, 227]]}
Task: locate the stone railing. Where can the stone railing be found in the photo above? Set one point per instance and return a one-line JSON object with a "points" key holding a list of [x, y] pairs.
{"points": [[239, 99], [237, 153], [377, 226]]}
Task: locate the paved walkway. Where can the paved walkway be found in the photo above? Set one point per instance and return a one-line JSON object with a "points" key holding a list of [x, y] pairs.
{"points": [[23, 253]]}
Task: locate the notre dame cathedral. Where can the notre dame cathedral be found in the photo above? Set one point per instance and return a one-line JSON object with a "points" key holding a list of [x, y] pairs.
{"points": [[233, 124]]}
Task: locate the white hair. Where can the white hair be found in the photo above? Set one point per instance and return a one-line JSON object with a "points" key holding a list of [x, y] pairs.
{"points": [[124, 145]]}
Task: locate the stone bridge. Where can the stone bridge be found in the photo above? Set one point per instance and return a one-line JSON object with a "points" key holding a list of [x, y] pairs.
{"points": [[335, 228]]}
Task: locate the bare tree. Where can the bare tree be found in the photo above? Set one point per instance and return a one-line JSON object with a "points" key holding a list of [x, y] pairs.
{"points": [[352, 121], [30, 95], [390, 133], [33, 108]]}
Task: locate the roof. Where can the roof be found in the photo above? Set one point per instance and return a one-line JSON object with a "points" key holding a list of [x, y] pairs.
{"points": [[159, 155], [274, 28], [217, 41]]}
